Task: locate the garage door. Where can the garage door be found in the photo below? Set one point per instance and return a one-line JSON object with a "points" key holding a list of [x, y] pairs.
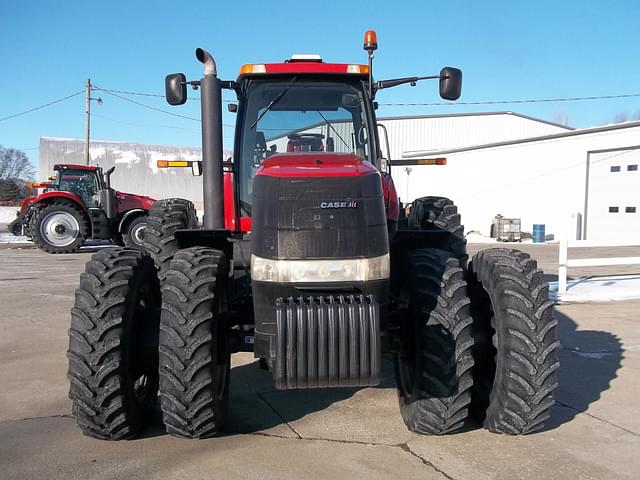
{"points": [[613, 195]]}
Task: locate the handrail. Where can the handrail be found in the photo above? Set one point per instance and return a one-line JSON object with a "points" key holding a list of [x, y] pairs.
{"points": [[564, 262]]}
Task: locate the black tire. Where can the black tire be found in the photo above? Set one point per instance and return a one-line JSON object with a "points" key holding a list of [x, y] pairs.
{"points": [[165, 217], [113, 344], [434, 365], [134, 235], [516, 349], [59, 227], [440, 213], [15, 227], [194, 354]]}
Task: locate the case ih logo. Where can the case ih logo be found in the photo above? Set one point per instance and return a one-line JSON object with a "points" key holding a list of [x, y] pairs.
{"points": [[343, 204]]}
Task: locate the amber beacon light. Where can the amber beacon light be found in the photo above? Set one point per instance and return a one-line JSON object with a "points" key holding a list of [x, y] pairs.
{"points": [[370, 41]]}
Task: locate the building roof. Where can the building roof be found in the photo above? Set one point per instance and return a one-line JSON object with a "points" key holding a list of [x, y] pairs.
{"points": [[476, 114], [554, 136]]}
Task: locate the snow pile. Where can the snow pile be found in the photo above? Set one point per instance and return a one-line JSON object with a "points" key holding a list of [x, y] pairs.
{"points": [[598, 289], [8, 214], [6, 237]]}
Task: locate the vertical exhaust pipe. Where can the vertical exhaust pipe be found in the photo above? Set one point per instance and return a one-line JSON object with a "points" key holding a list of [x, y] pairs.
{"points": [[211, 118]]}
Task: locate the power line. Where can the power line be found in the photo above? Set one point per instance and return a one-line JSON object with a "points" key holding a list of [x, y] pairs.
{"points": [[40, 107], [150, 107], [498, 102], [112, 93], [141, 125], [146, 94]]}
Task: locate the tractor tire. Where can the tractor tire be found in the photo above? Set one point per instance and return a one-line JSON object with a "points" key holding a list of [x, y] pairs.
{"points": [[113, 344], [440, 213], [165, 217], [59, 227], [15, 227], [434, 364], [134, 236], [516, 349], [194, 354]]}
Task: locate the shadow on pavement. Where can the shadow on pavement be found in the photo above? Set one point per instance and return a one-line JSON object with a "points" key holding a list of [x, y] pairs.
{"points": [[589, 361], [251, 410]]}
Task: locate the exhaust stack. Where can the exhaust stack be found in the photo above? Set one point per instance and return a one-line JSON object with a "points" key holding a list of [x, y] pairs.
{"points": [[211, 118]]}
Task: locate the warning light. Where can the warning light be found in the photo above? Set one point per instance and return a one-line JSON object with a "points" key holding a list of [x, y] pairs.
{"points": [[370, 41]]}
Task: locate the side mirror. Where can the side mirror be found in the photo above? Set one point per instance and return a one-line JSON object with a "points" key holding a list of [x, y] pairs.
{"points": [[450, 83], [175, 87]]}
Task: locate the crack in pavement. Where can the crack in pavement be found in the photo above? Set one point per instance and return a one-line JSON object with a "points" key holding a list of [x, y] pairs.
{"points": [[402, 446], [278, 414], [405, 446], [595, 417], [43, 417]]}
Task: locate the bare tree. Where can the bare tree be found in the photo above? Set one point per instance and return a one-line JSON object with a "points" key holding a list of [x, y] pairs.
{"points": [[14, 165]]}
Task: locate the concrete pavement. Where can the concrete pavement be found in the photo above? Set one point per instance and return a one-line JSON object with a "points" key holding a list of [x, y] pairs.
{"points": [[352, 433]]}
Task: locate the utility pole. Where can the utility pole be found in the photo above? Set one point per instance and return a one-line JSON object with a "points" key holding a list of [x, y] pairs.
{"points": [[87, 121]]}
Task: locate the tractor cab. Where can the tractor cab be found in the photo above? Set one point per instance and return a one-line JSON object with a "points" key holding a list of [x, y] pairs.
{"points": [[300, 108], [83, 181]]}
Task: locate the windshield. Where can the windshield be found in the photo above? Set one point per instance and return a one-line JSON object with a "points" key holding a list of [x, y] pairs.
{"points": [[80, 182], [298, 116]]}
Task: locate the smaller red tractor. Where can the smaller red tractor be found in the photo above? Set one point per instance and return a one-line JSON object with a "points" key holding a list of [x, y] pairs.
{"points": [[78, 204]]}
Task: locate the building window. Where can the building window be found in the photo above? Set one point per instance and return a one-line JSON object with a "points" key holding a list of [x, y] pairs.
{"points": [[632, 168], [615, 168], [630, 209], [613, 209]]}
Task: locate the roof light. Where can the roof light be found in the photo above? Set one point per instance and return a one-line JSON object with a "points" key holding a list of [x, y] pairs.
{"points": [[370, 41], [432, 161], [362, 69], [252, 68], [305, 57]]}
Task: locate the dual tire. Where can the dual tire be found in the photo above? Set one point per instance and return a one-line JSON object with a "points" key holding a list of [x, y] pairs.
{"points": [[126, 344], [475, 343]]}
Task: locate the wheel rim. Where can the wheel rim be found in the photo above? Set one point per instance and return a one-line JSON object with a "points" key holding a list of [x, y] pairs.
{"points": [[60, 229], [141, 370], [221, 365], [137, 233], [406, 358]]}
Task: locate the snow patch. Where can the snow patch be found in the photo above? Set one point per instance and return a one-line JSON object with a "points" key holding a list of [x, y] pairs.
{"points": [[598, 289], [10, 238], [8, 214]]}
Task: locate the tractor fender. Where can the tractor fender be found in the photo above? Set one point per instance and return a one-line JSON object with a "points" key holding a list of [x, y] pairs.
{"points": [[48, 197], [58, 195], [129, 215]]}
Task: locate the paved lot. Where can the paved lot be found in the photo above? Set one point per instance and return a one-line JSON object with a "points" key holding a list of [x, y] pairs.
{"points": [[594, 431]]}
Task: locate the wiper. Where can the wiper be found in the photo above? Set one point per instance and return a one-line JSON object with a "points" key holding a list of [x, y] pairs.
{"points": [[273, 101], [334, 130]]}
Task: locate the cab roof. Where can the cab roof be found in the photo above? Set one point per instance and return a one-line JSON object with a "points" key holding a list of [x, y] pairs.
{"points": [[302, 67], [65, 166]]}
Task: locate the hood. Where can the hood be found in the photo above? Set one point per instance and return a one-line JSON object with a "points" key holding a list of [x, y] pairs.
{"points": [[315, 164]]}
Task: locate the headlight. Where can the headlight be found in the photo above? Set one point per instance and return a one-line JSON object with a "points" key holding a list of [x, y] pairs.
{"points": [[319, 271]]}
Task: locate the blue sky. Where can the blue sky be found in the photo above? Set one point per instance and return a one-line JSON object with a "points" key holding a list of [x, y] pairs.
{"points": [[508, 50]]}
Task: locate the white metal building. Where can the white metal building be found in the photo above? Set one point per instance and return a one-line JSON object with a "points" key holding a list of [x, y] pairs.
{"points": [[580, 183]]}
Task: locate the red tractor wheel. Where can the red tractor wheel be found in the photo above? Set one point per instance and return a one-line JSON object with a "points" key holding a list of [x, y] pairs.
{"points": [[59, 228], [134, 234]]}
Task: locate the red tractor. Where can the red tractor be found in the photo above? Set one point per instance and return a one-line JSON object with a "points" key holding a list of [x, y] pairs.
{"points": [[79, 204], [305, 260]]}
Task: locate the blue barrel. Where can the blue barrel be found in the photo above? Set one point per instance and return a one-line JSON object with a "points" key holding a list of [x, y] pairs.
{"points": [[538, 233]]}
